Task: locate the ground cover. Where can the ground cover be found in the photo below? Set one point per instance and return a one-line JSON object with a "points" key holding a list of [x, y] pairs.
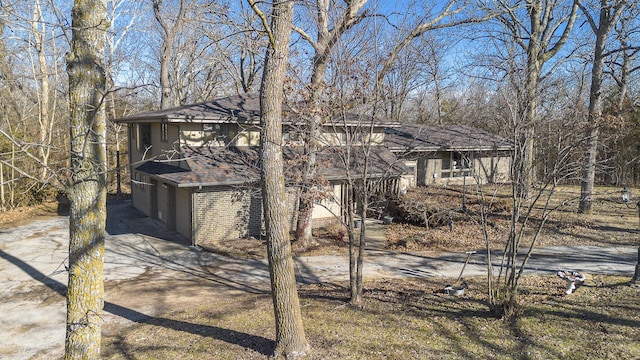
{"points": [[151, 317], [400, 319], [20, 216], [612, 223]]}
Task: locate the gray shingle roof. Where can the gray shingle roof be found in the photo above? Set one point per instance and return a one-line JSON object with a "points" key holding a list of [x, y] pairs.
{"points": [[444, 138], [215, 166], [243, 109]]}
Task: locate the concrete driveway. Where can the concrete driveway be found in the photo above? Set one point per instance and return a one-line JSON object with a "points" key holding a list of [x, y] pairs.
{"points": [[148, 269]]}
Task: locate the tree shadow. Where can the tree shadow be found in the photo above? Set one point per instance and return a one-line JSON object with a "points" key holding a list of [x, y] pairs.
{"points": [[256, 343], [251, 342], [151, 255], [123, 218]]}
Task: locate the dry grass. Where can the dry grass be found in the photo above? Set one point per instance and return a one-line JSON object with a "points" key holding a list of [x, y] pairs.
{"points": [[610, 224], [329, 240], [20, 216], [400, 319]]}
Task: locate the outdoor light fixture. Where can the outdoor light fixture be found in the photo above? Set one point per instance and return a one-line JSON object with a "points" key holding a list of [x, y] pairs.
{"points": [[626, 195]]}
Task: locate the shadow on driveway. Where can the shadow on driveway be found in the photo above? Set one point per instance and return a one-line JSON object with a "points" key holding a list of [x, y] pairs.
{"points": [[252, 342]]}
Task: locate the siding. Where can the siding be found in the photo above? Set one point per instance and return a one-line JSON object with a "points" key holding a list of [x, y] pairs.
{"points": [[183, 212], [141, 194]]}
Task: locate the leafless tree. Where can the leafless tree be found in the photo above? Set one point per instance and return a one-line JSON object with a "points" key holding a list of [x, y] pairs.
{"points": [[540, 28], [331, 23], [32, 100], [621, 158], [290, 338], [87, 191], [609, 13], [529, 210]]}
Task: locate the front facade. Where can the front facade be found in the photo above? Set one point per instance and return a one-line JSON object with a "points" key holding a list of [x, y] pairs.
{"points": [[450, 154], [196, 167]]}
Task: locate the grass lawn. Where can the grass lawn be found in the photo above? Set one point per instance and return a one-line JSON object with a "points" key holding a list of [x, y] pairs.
{"points": [[400, 319]]}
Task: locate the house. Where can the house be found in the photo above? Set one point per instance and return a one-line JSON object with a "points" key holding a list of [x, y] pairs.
{"points": [[196, 168], [450, 154]]}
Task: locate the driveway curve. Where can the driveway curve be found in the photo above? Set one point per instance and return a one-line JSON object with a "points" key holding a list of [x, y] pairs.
{"points": [[140, 251]]}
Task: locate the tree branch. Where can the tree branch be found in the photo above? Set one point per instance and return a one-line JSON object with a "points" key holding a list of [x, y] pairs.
{"points": [[265, 22]]}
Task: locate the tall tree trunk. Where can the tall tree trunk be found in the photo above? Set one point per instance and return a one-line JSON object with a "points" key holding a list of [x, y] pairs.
{"points": [[591, 136], [87, 192], [608, 17], [304, 233], [328, 33], [534, 67], [44, 118], [290, 337], [168, 98]]}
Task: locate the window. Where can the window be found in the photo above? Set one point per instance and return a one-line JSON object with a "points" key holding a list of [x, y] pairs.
{"points": [[143, 183], [455, 164], [164, 132], [221, 133], [144, 137], [348, 136], [291, 135]]}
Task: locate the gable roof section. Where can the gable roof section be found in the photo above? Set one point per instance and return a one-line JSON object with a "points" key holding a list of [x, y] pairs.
{"points": [[242, 109], [217, 166], [410, 138]]}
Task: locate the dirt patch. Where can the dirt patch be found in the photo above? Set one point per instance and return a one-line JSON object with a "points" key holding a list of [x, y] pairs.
{"points": [[24, 215], [328, 240]]}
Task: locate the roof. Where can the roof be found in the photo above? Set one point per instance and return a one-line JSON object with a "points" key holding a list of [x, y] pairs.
{"points": [[217, 166], [243, 108], [238, 108], [409, 138]]}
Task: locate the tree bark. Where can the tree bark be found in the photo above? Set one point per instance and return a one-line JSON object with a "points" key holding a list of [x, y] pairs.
{"points": [[45, 119], [290, 337], [87, 192], [608, 17], [534, 35], [167, 97], [327, 37]]}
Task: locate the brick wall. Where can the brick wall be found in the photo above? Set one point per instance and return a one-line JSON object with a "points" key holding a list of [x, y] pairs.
{"points": [[226, 213]]}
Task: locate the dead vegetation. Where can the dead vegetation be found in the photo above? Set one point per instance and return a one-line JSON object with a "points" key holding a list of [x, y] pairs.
{"points": [[328, 240], [400, 319], [611, 224], [22, 215]]}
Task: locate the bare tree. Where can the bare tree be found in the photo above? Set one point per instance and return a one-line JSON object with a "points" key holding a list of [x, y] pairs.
{"points": [[87, 191], [621, 158], [332, 22], [609, 13], [243, 50], [31, 101], [540, 28], [170, 32], [529, 210], [290, 337]]}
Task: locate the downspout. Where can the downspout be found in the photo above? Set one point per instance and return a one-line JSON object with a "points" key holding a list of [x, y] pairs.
{"points": [[194, 220], [130, 164]]}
